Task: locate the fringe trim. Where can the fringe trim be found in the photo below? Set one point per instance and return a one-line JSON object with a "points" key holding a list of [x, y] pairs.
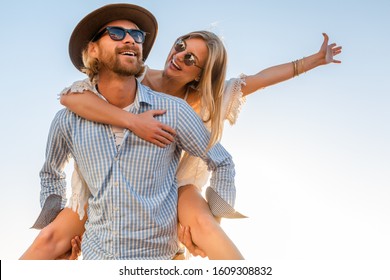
{"points": [[78, 87], [237, 99]]}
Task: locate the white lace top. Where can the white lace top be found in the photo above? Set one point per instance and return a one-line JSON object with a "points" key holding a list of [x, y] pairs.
{"points": [[191, 170]]}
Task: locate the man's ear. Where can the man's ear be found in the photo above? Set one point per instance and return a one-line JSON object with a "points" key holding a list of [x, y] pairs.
{"points": [[93, 50]]}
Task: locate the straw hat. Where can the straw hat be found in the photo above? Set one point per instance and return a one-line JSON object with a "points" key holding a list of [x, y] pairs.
{"points": [[93, 22]]}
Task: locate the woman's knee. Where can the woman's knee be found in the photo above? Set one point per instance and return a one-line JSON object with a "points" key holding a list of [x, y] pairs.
{"points": [[205, 223], [46, 238]]}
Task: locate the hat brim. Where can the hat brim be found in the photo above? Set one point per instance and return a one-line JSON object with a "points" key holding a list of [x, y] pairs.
{"points": [[93, 22]]}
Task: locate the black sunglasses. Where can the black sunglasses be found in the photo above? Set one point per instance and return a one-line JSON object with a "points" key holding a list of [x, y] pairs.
{"points": [[189, 58], [119, 33]]}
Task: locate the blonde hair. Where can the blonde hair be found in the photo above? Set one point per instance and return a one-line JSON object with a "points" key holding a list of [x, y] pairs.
{"points": [[211, 83]]}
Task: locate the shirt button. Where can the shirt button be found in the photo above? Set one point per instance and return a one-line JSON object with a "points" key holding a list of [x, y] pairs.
{"points": [[116, 184]]}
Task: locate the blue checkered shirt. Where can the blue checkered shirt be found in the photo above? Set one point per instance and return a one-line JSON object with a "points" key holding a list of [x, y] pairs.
{"points": [[132, 211]]}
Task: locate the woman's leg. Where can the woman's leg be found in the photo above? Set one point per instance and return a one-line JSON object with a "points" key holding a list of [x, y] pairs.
{"points": [[206, 232], [55, 239]]}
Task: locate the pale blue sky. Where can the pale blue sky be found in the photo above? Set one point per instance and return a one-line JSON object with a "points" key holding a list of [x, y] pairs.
{"points": [[311, 154]]}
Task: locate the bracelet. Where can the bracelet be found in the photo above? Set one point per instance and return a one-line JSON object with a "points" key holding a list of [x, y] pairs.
{"points": [[295, 65], [303, 65]]}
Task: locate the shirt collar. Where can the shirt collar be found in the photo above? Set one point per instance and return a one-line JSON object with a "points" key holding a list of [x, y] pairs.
{"points": [[142, 95]]}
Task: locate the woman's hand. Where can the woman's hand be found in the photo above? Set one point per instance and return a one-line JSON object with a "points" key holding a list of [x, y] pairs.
{"points": [[329, 51], [145, 126]]}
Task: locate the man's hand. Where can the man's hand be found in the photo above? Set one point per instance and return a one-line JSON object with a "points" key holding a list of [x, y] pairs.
{"points": [[185, 238], [73, 253]]}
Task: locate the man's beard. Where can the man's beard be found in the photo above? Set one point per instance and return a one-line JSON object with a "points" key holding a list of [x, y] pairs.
{"points": [[114, 64]]}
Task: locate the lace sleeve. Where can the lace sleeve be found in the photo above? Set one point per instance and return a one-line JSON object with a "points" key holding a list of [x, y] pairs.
{"points": [[233, 99], [79, 87], [80, 193]]}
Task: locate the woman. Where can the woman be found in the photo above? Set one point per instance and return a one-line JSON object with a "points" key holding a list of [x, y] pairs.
{"points": [[195, 71]]}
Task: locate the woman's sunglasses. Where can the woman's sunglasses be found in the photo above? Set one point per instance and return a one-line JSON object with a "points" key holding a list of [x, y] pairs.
{"points": [[117, 33], [189, 58]]}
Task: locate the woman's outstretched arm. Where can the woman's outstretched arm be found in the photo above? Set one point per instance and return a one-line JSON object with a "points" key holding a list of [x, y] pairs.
{"points": [[283, 72]]}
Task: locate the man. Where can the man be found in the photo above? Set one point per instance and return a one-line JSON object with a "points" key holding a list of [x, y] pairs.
{"points": [[132, 208]]}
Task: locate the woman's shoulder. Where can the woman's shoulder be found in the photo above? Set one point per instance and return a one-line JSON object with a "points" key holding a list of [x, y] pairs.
{"points": [[149, 76]]}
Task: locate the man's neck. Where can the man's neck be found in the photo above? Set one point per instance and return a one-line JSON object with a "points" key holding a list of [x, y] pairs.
{"points": [[118, 91]]}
